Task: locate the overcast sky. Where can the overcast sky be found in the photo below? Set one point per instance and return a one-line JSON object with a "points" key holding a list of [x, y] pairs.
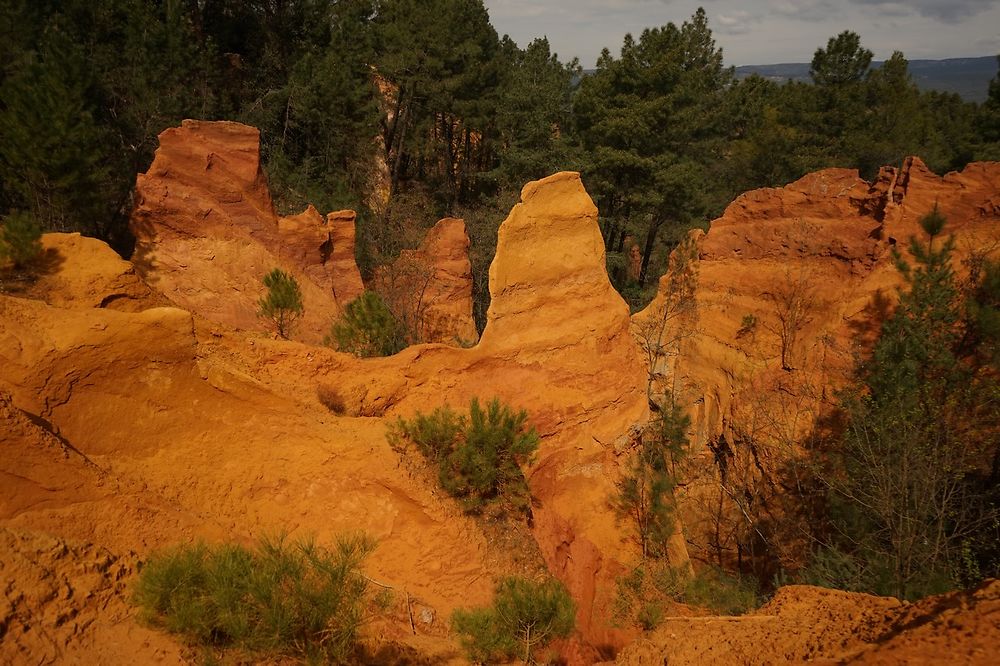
{"points": [[756, 32]]}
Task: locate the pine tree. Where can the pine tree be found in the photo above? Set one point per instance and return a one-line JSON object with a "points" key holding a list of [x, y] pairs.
{"points": [[367, 328], [650, 122], [909, 482], [52, 151], [282, 304], [645, 493], [19, 239], [842, 62]]}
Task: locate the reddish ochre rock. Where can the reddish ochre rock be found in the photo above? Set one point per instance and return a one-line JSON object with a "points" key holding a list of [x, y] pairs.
{"points": [[827, 241], [347, 283], [137, 431], [80, 272], [226, 435], [207, 233], [133, 430], [431, 286], [812, 624], [449, 293]]}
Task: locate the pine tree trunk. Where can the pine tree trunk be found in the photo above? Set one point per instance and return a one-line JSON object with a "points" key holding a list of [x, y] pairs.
{"points": [[654, 226]]}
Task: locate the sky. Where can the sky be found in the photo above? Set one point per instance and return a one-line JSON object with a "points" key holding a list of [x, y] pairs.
{"points": [[758, 32]]}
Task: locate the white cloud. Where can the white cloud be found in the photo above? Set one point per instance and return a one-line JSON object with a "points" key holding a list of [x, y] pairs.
{"points": [[949, 11]]}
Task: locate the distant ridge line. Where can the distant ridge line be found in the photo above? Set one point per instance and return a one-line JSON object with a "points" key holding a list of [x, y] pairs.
{"points": [[968, 77]]}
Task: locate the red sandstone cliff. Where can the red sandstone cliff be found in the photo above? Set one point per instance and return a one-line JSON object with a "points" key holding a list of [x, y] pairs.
{"points": [[207, 233], [792, 286]]}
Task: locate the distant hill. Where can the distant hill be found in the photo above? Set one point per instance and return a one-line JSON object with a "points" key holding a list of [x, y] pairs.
{"points": [[969, 77]]}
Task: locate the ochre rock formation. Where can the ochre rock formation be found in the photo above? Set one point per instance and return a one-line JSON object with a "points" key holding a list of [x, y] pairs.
{"points": [[68, 602], [430, 287], [74, 271], [134, 431], [207, 233], [126, 431], [347, 284], [139, 395], [448, 317], [556, 343], [816, 255]]}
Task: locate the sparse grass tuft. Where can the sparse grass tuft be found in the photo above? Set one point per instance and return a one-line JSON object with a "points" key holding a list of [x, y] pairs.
{"points": [[330, 398]]}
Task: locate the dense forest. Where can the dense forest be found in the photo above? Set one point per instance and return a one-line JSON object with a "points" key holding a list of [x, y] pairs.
{"points": [[409, 110]]}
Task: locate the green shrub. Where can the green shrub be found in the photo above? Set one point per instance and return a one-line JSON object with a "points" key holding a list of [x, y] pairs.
{"points": [[644, 593], [722, 592], [367, 328], [20, 237], [283, 302], [645, 492], [747, 325], [831, 567], [525, 616], [478, 456], [434, 434], [296, 599]]}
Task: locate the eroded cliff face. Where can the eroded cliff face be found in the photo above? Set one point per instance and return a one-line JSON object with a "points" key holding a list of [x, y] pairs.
{"points": [[134, 431], [207, 233], [793, 284], [812, 624]]}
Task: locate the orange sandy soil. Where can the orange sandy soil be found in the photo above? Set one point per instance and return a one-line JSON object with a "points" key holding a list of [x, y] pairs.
{"points": [[803, 623]]}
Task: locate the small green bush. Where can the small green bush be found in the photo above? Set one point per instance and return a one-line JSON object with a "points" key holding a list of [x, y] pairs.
{"points": [[747, 325], [283, 302], [644, 593], [525, 616], [295, 599], [434, 434], [478, 456], [367, 328], [722, 592], [20, 237]]}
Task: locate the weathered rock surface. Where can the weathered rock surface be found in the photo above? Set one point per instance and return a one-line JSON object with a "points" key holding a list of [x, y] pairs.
{"points": [[133, 430], [813, 624], [66, 602], [432, 285], [347, 284], [807, 267], [130, 432], [145, 401], [74, 271], [207, 233]]}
